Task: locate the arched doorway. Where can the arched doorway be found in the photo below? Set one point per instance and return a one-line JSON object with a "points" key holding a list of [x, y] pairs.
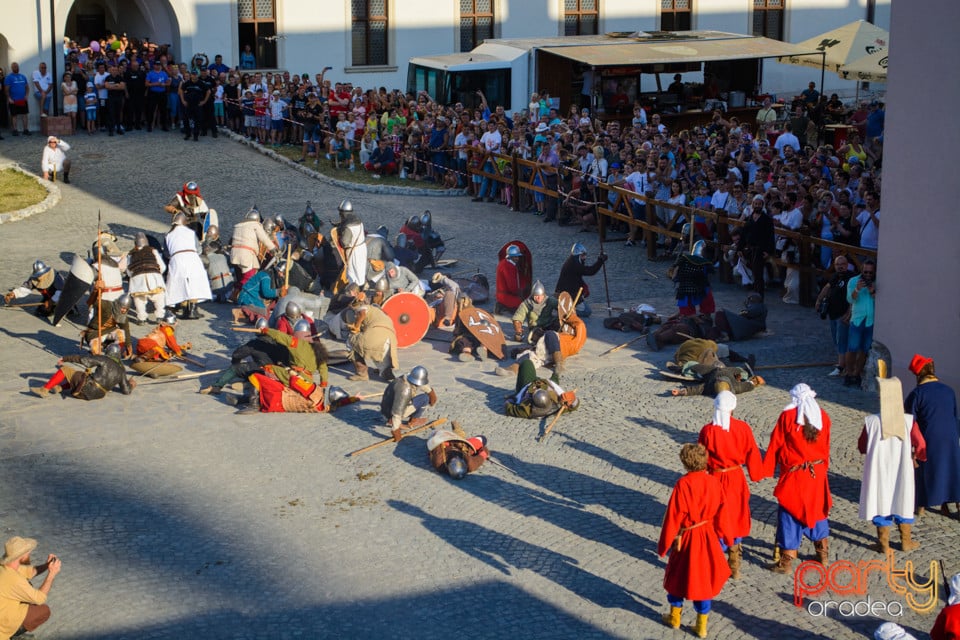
{"points": [[140, 19]]}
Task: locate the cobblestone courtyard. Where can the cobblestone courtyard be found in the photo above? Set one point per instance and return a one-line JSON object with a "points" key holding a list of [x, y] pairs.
{"points": [[176, 518]]}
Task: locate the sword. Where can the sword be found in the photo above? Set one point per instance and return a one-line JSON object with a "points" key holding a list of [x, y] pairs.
{"points": [[500, 464]]}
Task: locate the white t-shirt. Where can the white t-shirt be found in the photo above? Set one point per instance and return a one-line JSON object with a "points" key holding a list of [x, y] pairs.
{"points": [[461, 141], [98, 80], [491, 141], [44, 80]]}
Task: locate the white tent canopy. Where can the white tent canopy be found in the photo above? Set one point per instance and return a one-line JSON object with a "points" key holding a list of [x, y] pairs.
{"points": [[869, 68], [842, 46]]}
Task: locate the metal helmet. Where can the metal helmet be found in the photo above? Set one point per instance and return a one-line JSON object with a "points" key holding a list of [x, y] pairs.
{"points": [[578, 250], [140, 240], [345, 206], [418, 376], [698, 248], [261, 323], [685, 229], [754, 298], [414, 223], [169, 317], [278, 218], [349, 316], [40, 268], [302, 326], [124, 300], [180, 218], [538, 289], [541, 398], [426, 219], [293, 311], [383, 232], [401, 241], [309, 210], [213, 233], [113, 351], [336, 394], [253, 214], [191, 188], [513, 251], [381, 285], [456, 466], [269, 225]]}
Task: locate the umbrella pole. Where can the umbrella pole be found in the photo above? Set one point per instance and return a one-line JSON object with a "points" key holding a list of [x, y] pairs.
{"points": [[823, 71]]}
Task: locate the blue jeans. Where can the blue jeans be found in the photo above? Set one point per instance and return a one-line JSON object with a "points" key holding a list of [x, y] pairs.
{"points": [[487, 182], [839, 331], [47, 101], [859, 338]]}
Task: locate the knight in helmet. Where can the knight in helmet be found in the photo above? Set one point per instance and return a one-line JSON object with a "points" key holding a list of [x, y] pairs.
{"points": [[404, 399], [455, 454], [401, 279], [145, 266], [109, 324], [218, 267], [433, 243], [710, 378], [248, 238], [187, 282], [465, 345], [372, 341], [379, 247], [43, 280], [161, 344], [552, 343], [751, 320], [693, 282], [571, 277], [293, 321], [444, 294], [412, 229], [291, 388], [405, 253], [538, 312], [512, 281], [352, 240], [111, 263], [257, 297], [251, 356], [92, 378], [536, 397], [191, 204]]}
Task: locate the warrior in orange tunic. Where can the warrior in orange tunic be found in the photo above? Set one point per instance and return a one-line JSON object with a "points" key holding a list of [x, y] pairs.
{"points": [[691, 532], [800, 444], [161, 343], [730, 444]]}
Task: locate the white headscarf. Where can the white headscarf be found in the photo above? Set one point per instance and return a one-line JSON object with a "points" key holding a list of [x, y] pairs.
{"points": [[954, 590], [802, 399], [723, 406], [891, 631]]}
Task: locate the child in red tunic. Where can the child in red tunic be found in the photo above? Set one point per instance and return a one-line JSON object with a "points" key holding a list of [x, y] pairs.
{"points": [[800, 444], [730, 444], [691, 532]]}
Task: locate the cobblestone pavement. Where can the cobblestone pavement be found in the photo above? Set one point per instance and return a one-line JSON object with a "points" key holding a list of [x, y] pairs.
{"points": [[177, 519]]}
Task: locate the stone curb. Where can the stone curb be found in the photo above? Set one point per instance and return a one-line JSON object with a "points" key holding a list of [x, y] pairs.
{"points": [[366, 188], [53, 196]]}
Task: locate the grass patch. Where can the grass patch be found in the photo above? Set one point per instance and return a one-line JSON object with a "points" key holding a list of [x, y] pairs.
{"points": [[19, 191], [359, 175]]}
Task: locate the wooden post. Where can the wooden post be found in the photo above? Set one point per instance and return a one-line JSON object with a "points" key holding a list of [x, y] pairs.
{"points": [[649, 234], [516, 182]]}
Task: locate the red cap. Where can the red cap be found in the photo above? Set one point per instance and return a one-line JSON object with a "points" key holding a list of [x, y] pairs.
{"points": [[918, 362]]}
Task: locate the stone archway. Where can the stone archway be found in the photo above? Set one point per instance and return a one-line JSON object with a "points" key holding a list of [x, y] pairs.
{"points": [[157, 20]]}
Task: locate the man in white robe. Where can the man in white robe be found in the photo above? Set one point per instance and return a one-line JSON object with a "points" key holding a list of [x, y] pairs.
{"points": [[187, 282]]}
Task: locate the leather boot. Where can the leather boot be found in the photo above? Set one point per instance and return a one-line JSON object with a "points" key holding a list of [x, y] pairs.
{"points": [[700, 627], [361, 373], [66, 177], [883, 540], [193, 312], [734, 556], [672, 619], [906, 541], [785, 565], [823, 551], [558, 362]]}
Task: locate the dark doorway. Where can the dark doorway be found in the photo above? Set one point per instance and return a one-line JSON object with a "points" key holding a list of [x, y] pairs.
{"points": [[91, 26]]}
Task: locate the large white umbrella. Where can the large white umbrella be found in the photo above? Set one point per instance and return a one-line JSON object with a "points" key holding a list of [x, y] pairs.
{"points": [[869, 68], [841, 46]]}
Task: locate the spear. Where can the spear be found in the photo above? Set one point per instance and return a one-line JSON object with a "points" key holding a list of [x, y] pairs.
{"points": [[435, 423], [99, 287]]}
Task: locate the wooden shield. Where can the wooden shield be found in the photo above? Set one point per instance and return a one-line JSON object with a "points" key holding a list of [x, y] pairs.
{"points": [[565, 306], [485, 328], [525, 267], [156, 369], [75, 287], [411, 317]]}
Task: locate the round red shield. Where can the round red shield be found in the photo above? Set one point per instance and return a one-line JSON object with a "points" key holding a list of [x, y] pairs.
{"points": [[411, 317]]}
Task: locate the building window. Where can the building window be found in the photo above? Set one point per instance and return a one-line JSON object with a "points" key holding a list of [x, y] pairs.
{"points": [[369, 32], [674, 15], [580, 17], [476, 23], [258, 28], [768, 18]]}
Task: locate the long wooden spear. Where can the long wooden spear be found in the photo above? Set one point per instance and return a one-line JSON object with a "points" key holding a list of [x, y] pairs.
{"points": [[377, 445]]}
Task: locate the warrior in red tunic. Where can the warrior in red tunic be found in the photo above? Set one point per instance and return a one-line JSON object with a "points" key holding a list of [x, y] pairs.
{"points": [[730, 444], [800, 444], [947, 626], [691, 532]]}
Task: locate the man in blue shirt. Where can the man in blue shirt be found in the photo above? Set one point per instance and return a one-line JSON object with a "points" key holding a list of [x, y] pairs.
{"points": [[218, 67], [157, 82], [17, 87]]}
